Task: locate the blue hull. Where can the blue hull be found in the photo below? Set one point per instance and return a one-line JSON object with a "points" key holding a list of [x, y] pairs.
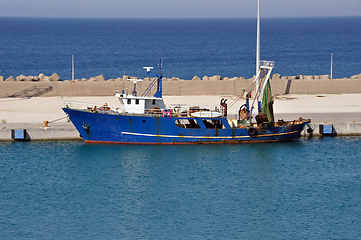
{"points": [[128, 129]]}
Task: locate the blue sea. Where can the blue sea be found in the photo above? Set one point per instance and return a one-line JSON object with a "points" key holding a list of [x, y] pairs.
{"points": [[188, 47], [307, 189]]}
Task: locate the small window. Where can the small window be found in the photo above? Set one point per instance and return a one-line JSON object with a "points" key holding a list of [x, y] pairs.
{"points": [[153, 102], [137, 101], [129, 101]]}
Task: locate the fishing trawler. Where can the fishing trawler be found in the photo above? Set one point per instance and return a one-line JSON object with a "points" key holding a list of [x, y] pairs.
{"points": [[142, 119], [145, 119]]}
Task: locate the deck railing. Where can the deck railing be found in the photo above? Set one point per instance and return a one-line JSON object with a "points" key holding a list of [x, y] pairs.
{"points": [[174, 111], [79, 105]]}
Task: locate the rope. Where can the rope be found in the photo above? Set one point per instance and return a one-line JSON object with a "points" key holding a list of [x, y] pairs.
{"points": [[149, 87], [261, 76], [57, 119]]}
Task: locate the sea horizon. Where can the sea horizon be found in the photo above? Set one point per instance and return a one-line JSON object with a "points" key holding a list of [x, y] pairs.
{"points": [[177, 18], [189, 47]]}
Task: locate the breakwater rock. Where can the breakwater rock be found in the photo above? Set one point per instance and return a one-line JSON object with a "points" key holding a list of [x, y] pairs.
{"points": [[40, 78], [41, 85]]}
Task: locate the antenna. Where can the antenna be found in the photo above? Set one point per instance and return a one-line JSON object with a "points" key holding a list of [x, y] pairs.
{"points": [[148, 68], [123, 82], [135, 80]]}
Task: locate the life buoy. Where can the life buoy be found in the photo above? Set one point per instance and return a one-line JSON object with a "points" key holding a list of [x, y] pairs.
{"points": [[252, 131], [167, 113]]}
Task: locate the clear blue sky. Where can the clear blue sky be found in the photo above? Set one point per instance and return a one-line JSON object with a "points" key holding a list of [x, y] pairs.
{"points": [[178, 8]]}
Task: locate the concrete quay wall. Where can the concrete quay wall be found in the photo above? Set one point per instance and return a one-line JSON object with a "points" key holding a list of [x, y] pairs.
{"points": [[339, 129], [40, 133], [36, 133], [176, 87]]}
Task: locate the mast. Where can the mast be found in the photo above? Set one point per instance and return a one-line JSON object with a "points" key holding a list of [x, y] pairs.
{"points": [[158, 80], [258, 53], [160, 76]]}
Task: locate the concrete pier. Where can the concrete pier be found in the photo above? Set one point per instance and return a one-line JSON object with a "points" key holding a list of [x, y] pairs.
{"points": [[68, 131], [26, 102], [341, 112], [345, 124], [35, 132]]}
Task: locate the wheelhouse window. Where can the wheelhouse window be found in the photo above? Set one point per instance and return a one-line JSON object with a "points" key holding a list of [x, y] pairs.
{"points": [[187, 123], [213, 123], [129, 101], [137, 101]]}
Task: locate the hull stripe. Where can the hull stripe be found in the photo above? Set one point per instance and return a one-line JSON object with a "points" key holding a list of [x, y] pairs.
{"points": [[207, 137], [186, 143]]}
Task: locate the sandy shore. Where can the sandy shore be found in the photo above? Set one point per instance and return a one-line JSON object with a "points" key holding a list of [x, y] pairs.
{"points": [[319, 108]]}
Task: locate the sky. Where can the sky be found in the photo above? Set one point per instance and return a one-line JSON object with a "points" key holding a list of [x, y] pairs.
{"points": [[178, 8]]}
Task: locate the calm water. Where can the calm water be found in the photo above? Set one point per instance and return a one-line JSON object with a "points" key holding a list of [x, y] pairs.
{"points": [[189, 47], [309, 189]]}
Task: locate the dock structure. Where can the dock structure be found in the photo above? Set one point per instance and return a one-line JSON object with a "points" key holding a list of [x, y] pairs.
{"points": [[36, 132], [344, 119], [323, 125]]}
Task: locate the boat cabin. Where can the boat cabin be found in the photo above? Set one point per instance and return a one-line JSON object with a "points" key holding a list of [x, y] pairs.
{"points": [[138, 104]]}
